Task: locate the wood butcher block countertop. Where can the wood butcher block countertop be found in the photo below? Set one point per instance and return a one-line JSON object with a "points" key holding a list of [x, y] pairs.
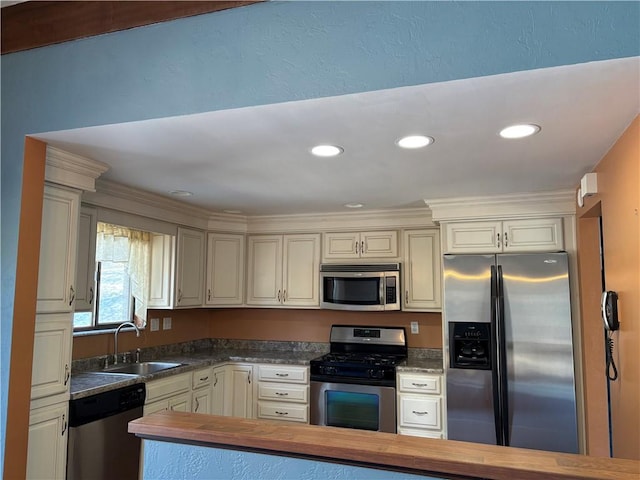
{"points": [[440, 458]]}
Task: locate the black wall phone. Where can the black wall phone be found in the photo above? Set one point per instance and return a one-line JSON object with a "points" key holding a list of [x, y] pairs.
{"points": [[611, 324], [610, 310]]}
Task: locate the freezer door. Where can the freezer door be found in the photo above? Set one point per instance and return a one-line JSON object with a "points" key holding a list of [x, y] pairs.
{"points": [[539, 350], [467, 298]]}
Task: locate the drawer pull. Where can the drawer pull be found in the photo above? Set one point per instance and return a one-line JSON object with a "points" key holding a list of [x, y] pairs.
{"points": [[282, 394], [420, 413], [204, 379], [282, 413], [282, 374], [420, 385]]}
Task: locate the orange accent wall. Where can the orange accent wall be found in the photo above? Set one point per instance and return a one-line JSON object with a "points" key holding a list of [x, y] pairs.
{"points": [[619, 200], [314, 325], [24, 310]]}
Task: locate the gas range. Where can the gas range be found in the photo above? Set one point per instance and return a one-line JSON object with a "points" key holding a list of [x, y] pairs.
{"points": [[363, 355]]}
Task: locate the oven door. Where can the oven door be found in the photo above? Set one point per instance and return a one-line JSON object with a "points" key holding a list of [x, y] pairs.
{"points": [[365, 407]]}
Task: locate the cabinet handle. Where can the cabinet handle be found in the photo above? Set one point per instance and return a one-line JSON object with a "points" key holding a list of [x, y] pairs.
{"points": [[197, 405], [215, 379], [90, 295], [209, 294], [282, 374], [179, 295], [278, 295], [282, 413], [204, 379], [498, 242], [420, 413], [72, 295], [357, 244], [67, 374], [362, 249], [282, 394], [64, 425], [506, 240], [406, 296], [419, 385], [284, 296], [249, 377]]}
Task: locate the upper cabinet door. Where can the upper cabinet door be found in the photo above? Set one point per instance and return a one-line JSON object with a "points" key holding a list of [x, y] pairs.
{"points": [[264, 283], [225, 269], [190, 268], [540, 234], [86, 260], [346, 245], [473, 237], [162, 271], [57, 269], [421, 270], [341, 245], [301, 270], [379, 244]]}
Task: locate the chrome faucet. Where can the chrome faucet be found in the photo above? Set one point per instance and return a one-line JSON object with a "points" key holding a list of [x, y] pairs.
{"points": [[125, 324]]}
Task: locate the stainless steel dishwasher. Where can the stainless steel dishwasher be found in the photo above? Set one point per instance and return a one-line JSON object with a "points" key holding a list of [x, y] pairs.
{"points": [[100, 448]]}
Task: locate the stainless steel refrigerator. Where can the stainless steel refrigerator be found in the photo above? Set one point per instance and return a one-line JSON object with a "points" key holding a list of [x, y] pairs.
{"points": [[509, 351]]}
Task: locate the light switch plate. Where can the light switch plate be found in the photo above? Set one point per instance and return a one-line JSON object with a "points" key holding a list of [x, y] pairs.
{"points": [[166, 323], [414, 327], [155, 324]]}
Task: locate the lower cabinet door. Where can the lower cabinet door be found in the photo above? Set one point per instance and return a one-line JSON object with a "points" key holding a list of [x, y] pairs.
{"points": [[201, 400], [48, 434]]}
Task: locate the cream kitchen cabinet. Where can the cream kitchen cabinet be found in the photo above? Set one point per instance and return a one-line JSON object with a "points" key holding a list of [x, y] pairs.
{"points": [[283, 393], [190, 264], [86, 259], [59, 236], [51, 369], [201, 394], [351, 245], [525, 235], [239, 390], [219, 403], [283, 270], [421, 270], [170, 393], [420, 405], [48, 433], [162, 271], [225, 269]]}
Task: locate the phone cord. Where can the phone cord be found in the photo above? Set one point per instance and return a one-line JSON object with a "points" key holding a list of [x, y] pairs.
{"points": [[612, 371]]}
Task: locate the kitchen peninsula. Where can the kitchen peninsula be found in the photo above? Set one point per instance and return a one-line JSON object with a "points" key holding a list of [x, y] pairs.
{"points": [[197, 443]]}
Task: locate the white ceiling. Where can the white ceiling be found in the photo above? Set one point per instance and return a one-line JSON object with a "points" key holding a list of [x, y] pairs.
{"points": [[257, 159]]}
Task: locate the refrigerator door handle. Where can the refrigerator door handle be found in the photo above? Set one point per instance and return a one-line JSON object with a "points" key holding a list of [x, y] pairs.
{"points": [[495, 374], [502, 360]]}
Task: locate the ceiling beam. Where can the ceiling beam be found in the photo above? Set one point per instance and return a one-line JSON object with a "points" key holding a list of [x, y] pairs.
{"points": [[34, 24]]}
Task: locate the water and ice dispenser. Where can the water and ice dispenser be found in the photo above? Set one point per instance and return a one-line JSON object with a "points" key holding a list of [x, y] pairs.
{"points": [[470, 345]]}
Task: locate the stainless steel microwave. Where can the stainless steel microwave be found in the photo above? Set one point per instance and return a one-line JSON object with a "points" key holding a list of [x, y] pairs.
{"points": [[367, 287]]}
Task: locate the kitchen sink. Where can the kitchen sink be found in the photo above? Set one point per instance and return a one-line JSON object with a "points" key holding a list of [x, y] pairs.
{"points": [[143, 368]]}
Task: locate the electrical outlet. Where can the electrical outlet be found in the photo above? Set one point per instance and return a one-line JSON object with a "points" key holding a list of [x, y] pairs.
{"points": [[155, 324], [166, 323], [414, 327]]}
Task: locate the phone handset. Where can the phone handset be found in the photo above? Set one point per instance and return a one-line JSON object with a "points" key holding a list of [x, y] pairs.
{"points": [[610, 310], [611, 323]]}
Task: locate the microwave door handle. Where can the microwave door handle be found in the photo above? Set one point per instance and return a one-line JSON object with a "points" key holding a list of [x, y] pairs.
{"points": [[383, 297]]}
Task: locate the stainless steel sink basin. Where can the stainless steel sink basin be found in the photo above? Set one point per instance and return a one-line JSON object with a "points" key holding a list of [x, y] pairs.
{"points": [[143, 368]]}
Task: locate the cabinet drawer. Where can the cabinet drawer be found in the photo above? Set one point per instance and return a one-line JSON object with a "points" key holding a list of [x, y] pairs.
{"points": [[283, 411], [419, 383], [420, 412], [283, 392], [169, 386], [201, 378], [283, 374]]}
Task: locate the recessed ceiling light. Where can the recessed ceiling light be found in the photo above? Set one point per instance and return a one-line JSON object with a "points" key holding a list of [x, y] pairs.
{"points": [[326, 150], [414, 141], [180, 193], [353, 205], [519, 131]]}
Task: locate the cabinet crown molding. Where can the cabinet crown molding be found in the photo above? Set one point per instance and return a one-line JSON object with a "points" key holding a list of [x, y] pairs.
{"points": [[72, 170], [519, 205]]}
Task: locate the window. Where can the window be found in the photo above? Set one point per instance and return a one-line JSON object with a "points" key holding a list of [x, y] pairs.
{"points": [[122, 258]]}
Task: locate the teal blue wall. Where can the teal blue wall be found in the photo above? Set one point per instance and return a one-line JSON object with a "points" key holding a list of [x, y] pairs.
{"points": [[172, 461], [276, 52]]}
